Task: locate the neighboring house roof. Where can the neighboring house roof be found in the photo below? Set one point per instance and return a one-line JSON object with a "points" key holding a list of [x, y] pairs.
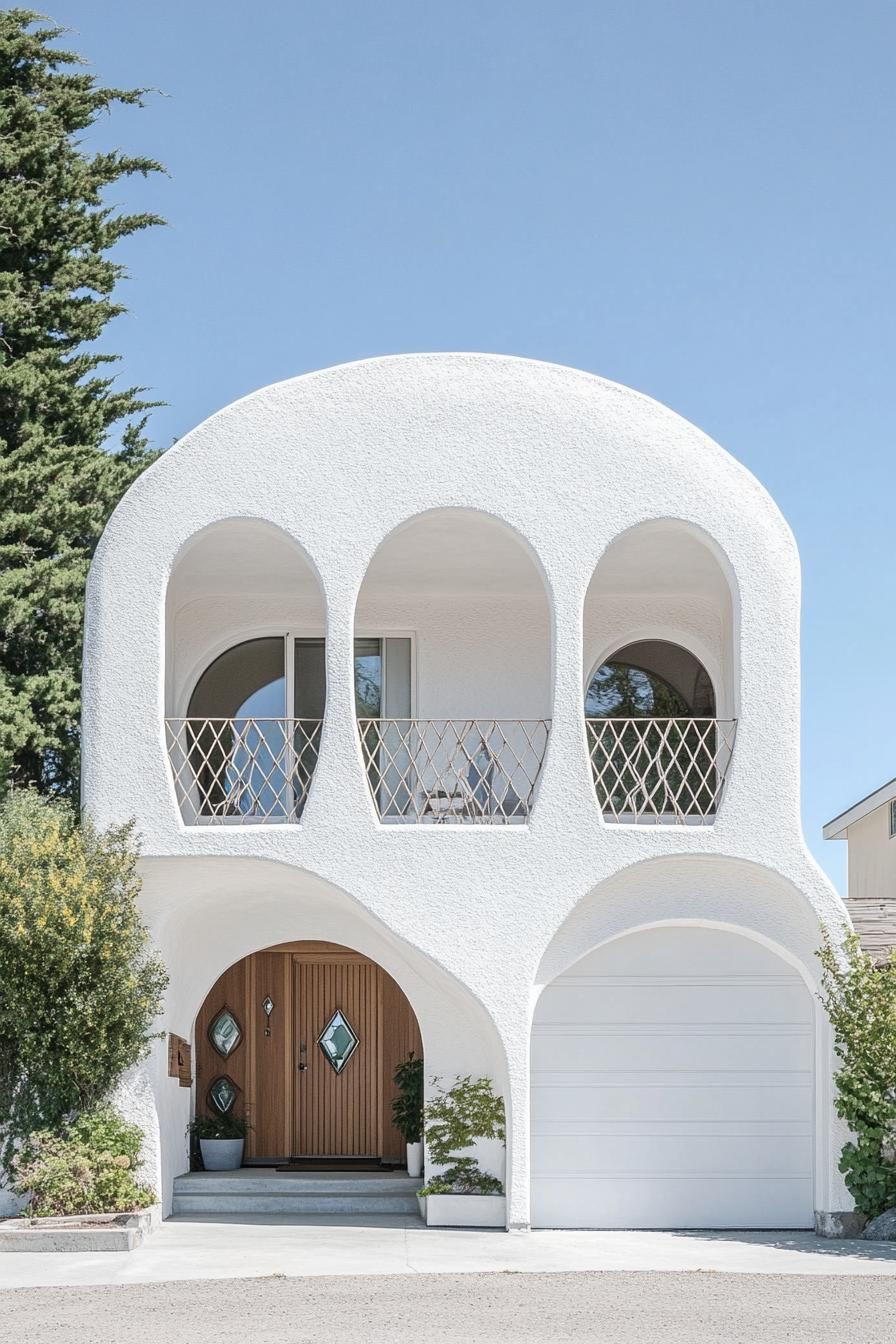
{"points": [[837, 828]]}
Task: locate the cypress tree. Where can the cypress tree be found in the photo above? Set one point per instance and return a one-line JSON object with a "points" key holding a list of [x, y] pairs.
{"points": [[61, 469]]}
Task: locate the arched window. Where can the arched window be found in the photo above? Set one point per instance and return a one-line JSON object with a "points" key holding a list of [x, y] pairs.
{"points": [[253, 729], [650, 679]]}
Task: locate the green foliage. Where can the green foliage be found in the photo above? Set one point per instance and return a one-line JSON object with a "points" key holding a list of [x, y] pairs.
{"points": [[79, 989], [90, 1168], [860, 999], [407, 1107], [57, 409], [455, 1118], [623, 692], [463, 1177], [218, 1127]]}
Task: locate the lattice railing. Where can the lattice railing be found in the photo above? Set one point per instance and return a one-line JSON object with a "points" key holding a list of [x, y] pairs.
{"points": [[664, 771], [231, 771], [455, 771]]}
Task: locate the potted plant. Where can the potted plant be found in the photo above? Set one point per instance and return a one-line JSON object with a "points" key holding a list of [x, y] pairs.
{"points": [[407, 1110], [221, 1139], [461, 1194]]}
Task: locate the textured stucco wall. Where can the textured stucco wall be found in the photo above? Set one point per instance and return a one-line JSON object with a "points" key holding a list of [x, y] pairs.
{"points": [[571, 462]]}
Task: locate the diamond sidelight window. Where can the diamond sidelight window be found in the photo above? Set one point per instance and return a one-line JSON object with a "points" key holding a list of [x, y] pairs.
{"points": [[338, 1041], [222, 1094], [225, 1033]]}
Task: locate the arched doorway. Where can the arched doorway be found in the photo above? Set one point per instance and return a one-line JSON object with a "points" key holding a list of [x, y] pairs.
{"points": [[673, 1083], [303, 1039]]}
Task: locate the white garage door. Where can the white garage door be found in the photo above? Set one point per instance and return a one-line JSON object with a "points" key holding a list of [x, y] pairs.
{"points": [[672, 1086]]}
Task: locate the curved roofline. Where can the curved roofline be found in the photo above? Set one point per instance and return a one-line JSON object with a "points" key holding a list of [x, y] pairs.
{"points": [[492, 356]]}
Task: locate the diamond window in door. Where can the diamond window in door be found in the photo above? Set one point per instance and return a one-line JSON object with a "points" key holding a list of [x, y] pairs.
{"points": [[225, 1033], [223, 1094], [338, 1041]]}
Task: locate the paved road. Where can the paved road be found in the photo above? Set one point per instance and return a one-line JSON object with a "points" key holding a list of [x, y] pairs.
{"points": [[619, 1308]]}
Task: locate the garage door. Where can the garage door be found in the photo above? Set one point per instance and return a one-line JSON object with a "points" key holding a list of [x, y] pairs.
{"points": [[672, 1086]]}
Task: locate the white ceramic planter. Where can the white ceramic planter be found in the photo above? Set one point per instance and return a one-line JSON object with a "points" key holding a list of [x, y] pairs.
{"points": [[415, 1159], [221, 1154], [464, 1210]]}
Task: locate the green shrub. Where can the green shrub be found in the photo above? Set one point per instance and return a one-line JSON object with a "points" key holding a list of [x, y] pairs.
{"points": [[407, 1107], [79, 990], [454, 1119], [860, 999], [91, 1168], [218, 1127]]}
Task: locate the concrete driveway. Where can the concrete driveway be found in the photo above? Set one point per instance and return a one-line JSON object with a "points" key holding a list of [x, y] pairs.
{"points": [[192, 1247]]}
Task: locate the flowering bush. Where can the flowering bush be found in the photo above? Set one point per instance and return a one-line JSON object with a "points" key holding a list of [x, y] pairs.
{"points": [[860, 999], [91, 1168], [79, 989]]}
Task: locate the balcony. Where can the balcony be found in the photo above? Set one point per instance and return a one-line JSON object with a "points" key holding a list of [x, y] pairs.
{"points": [[453, 771], [232, 771], [661, 771]]}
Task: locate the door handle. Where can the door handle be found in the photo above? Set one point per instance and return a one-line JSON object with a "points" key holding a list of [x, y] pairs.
{"points": [[302, 1065]]}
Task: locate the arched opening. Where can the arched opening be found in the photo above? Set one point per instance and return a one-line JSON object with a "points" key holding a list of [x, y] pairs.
{"points": [[303, 1039], [659, 682], [651, 678], [453, 671], [246, 686], [673, 1085]]}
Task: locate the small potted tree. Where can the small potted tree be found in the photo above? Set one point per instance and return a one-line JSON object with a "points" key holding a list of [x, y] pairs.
{"points": [[461, 1194], [407, 1110], [221, 1139]]}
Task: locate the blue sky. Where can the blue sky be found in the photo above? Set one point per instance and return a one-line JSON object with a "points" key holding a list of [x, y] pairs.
{"points": [[693, 197]]}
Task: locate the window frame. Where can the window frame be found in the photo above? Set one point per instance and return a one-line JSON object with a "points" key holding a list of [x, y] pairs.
{"points": [[290, 636]]}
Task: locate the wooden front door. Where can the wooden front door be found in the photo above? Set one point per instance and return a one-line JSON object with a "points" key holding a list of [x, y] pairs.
{"points": [[297, 1102], [338, 1075]]}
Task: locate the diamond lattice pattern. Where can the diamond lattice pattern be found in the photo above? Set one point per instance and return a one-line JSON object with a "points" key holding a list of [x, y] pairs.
{"points": [[483, 771], [242, 770], [660, 770]]}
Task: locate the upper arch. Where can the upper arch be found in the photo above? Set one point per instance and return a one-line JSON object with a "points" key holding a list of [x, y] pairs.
{"points": [[666, 580]]}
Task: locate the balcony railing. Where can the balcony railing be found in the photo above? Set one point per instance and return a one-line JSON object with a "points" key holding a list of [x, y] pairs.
{"points": [[449, 771], [660, 771], [453, 771], [232, 771]]}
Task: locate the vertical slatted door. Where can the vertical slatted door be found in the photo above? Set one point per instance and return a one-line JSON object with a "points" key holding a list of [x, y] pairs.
{"points": [[271, 1056], [338, 1114]]}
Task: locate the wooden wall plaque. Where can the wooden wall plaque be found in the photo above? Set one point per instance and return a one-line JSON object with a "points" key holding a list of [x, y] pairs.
{"points": [[179, 1060]]}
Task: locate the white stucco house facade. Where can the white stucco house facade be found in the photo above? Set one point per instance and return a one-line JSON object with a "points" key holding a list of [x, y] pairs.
{"points": [[485, 673]]}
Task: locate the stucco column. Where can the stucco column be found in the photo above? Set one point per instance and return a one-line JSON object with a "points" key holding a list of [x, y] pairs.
{"points": [[515, 1036], [339, 795]]}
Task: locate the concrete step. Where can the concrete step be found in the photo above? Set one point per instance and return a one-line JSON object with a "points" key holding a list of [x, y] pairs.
{"points": [[265, 1181], [294, 1204], [251, 1191]]}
